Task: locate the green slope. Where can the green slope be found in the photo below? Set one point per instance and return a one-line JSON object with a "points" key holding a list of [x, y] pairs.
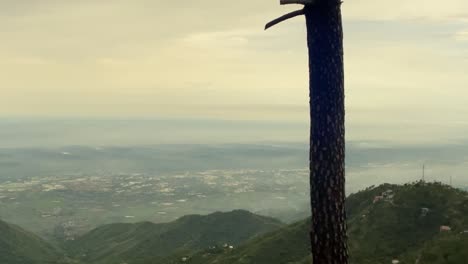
{"points": [[286, 245], [22, 247], [393, 229], [446, 249], [378, 232], [148, 242]]}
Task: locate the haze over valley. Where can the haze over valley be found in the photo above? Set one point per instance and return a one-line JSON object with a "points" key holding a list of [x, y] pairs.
{"points": [[62, 191]]}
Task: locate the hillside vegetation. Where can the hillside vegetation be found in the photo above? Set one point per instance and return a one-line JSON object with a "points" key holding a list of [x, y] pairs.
{"points": [[148, 242], [18, 246], [403, 225]]}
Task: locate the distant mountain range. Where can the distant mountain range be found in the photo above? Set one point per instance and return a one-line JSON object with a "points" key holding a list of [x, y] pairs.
{"points": [[424, 223]]}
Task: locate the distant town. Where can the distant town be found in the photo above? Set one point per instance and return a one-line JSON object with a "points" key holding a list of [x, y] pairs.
{"points": [[68, 205]]}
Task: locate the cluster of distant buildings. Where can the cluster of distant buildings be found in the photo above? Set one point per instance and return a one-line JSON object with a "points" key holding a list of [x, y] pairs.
{"points": [[387, 196]]}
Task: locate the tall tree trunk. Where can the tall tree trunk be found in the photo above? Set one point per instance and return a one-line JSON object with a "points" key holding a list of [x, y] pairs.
{"points": [[327, 132], [327, 127]]}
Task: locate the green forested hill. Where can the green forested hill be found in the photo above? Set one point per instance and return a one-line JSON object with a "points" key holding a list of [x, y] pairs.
{"points": [[401, 227], [20, 247], [148, 242], [404, 225]]}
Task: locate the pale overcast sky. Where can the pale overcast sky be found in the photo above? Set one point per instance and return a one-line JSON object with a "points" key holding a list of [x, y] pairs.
{"points": [[405, 63]]}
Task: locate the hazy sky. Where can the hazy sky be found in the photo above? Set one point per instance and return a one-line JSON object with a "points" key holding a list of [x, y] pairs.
{"points": [[405, 63]]}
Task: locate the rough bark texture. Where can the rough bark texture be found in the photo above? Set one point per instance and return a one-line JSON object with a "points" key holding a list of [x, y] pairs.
{"points": [[327, 132]]}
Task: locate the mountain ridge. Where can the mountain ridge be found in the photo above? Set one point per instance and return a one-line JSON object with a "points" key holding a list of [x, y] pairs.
{"points": [[403, 225], [143, 242]]}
